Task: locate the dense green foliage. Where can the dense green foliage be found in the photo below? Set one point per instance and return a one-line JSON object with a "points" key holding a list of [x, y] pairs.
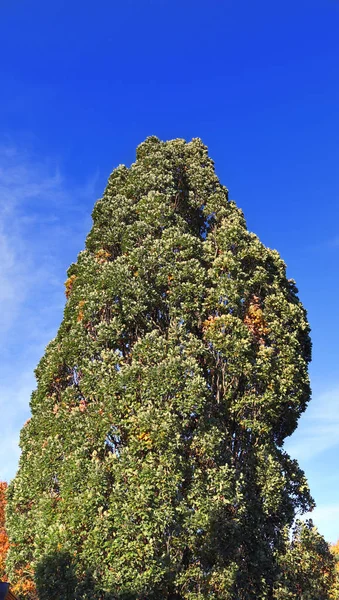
{"points": [[153, 461]]}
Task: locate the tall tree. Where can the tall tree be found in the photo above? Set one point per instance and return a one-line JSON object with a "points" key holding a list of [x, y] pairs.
{"points": [[153, 461]]}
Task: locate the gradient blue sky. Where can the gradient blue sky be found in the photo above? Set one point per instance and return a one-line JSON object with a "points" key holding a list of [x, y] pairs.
{"points": [[82, 84]]}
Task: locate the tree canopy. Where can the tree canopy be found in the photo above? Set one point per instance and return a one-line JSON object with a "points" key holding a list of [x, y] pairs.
{"points": [[153, 464]]}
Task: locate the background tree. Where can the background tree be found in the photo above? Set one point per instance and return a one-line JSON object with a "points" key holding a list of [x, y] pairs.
{"points": [[154, 456], [335, 587], [307, 567], [3, 534], [24, 585]]}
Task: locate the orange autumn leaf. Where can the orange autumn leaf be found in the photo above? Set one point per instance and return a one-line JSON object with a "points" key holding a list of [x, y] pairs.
{"points": [[25, 584], [254, 320], [102, 256], [80, 314], [69, 285], [209, 322]]}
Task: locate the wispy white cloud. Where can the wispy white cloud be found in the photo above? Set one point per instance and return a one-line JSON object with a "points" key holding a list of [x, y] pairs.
{"points": [[43, 223], [318, 428], [10, 279], [326, 518], [27, 191], [14, 399], [315, 444], [334, 243]]}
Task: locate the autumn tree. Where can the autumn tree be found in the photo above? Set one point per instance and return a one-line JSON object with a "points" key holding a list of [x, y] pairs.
{"points": [[24, 585], [3, 534], [306, 567], [154, 457], [335, 587]]}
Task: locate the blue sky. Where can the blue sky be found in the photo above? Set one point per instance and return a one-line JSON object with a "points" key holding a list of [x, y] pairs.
{"points": [[83, 84]]}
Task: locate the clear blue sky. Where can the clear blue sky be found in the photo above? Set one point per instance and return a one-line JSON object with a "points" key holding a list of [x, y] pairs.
{"points": [[83, 83]]}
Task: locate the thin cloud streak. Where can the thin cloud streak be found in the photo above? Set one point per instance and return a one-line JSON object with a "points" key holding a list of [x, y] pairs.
{"points": [[43, 223], [318, 428], [316, 436], [325, 518]]}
